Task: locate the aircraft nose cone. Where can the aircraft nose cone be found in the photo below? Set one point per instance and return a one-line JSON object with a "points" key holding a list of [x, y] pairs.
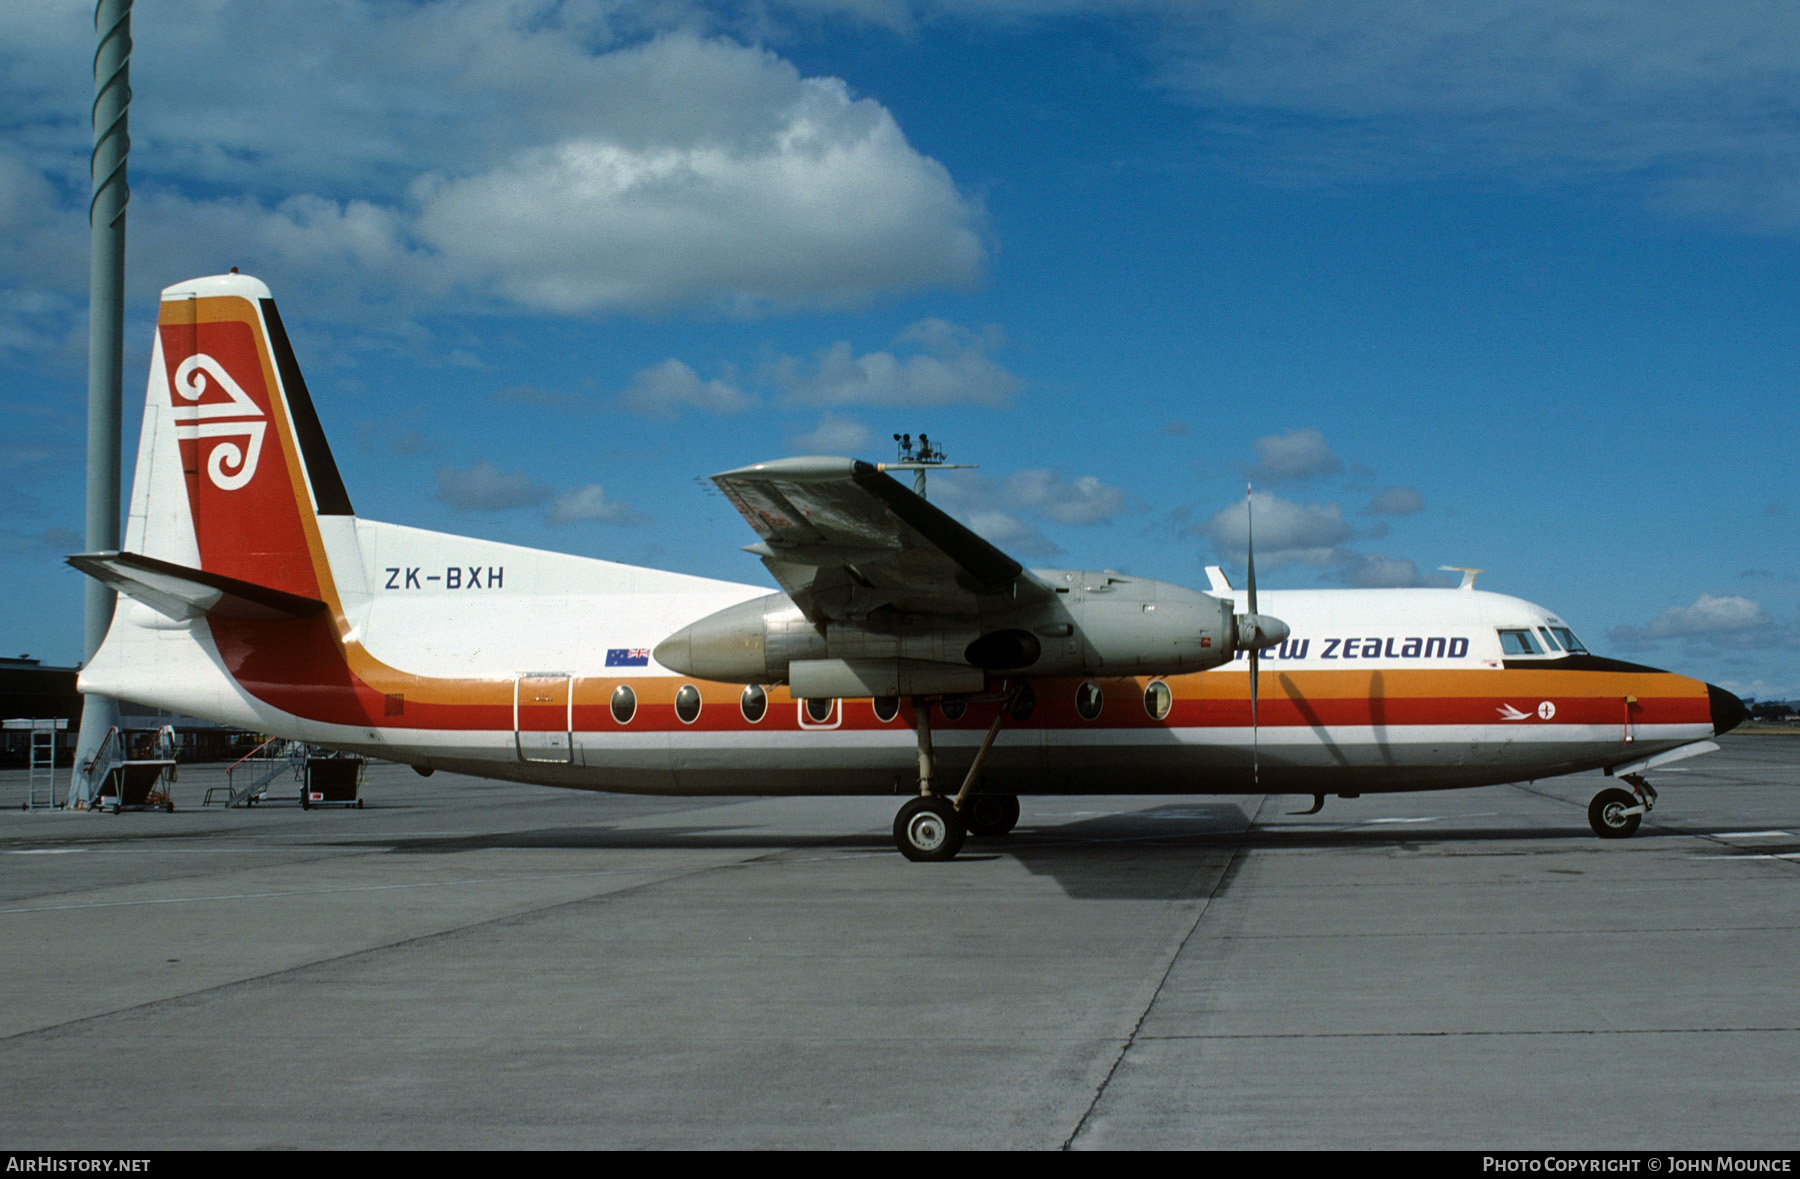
{"points": [[1727, 710]]}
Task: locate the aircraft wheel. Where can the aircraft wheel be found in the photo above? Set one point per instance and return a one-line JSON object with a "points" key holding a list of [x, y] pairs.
{"points": [[991, 815], [928, 829], [1606, 814]]}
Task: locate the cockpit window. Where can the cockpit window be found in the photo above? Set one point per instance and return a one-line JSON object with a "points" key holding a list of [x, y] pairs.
{"points": [[1550, 643], [1518, 642], [1567, 638]]}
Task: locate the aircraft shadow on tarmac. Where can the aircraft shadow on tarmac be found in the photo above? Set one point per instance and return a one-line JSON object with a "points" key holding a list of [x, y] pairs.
{"points": [[1171, 852]]}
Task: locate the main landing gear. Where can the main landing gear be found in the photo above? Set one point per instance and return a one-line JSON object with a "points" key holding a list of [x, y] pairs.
{"points": [[1615, 813], [933, 826]]}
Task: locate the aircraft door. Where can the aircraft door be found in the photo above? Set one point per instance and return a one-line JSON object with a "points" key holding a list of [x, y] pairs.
{"points": [[543, 712]]}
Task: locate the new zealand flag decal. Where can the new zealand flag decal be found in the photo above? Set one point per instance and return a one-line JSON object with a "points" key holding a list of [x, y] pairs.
{"points": [[628, 657]]}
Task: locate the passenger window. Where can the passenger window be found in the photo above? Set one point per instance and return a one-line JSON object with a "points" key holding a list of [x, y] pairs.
{"points": [[624, 704], [687, 704], [953, 708], [886, 708], [1088, 699], [1518, 642], [754, 703], [818, 708], [1158, 699]]}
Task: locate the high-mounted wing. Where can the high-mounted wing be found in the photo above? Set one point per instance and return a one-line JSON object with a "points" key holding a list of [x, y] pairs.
{"points": [[845, 539]]}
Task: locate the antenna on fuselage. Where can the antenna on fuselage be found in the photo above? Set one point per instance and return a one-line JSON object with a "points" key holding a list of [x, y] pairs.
{"points": [[1468, 581], [919, 457]]}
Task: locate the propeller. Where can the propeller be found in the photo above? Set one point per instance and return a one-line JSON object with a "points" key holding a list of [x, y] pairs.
{"points": [[1256, 632]]}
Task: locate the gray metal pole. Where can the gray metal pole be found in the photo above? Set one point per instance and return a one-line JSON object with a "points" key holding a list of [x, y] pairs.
{"points": [[106, 312]]}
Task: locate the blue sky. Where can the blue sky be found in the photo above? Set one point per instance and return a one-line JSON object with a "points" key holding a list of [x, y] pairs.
{"points": [[1501, 285]]}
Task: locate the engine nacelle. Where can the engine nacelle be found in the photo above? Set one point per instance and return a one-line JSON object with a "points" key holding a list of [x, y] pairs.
{"points": [[1071, 623]]}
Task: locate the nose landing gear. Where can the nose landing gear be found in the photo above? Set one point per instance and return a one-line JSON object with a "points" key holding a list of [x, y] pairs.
{"points": [[1615, 813]]}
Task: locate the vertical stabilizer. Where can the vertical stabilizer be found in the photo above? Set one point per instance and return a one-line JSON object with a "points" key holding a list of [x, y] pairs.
{"points": [[233, 471]]}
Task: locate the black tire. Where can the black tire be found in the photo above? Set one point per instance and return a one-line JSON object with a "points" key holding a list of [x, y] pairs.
{"points": [[1606, 813], [990, 816], [928, 829]]}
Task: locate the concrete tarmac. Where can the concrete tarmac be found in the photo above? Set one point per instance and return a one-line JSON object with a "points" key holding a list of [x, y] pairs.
{"points": [[472, 964]]}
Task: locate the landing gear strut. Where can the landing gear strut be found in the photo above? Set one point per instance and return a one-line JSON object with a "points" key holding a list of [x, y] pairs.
{"points": [[933, 826], [1615, 813]]}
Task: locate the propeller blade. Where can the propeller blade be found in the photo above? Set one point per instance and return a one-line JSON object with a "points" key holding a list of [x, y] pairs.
{"points": [[1255, 654], [1255, 729], [1250, 540]]}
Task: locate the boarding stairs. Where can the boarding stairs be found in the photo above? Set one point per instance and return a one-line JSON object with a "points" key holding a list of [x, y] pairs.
{"points": [[132, 783], [249, 777]]}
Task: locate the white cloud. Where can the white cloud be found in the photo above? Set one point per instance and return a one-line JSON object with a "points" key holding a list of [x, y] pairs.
{"points": [[1011, 534], [672, 385], [589, 505], [820, 201], [1301, 454], [1312, 534], [1709, 615], [1286, 532], [935, 363], [1395, 501], [486, 488], [835, 435], [544, 155], [1379, 571], [1727, 620], [996, 509], [1085, 500]]}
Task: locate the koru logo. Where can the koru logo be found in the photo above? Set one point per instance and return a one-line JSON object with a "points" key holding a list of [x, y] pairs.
{"points": [[238, 423], [1546, 710]]}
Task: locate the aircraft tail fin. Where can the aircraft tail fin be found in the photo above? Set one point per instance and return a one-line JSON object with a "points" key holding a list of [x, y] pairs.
{"points": [[233, 471]]}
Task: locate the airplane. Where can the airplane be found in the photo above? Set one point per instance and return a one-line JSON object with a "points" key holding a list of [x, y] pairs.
{"points": [[903, 654]]}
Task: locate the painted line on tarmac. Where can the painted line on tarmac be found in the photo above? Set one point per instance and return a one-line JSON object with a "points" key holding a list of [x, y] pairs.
{"points": [[1758, 856], [308, 892]]}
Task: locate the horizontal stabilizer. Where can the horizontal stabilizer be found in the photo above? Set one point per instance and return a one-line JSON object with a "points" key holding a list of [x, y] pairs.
{"points": [[183, 593]]}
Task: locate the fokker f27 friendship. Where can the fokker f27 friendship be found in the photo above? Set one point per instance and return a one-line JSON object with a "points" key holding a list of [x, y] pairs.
{"points": [[903, 653]]}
